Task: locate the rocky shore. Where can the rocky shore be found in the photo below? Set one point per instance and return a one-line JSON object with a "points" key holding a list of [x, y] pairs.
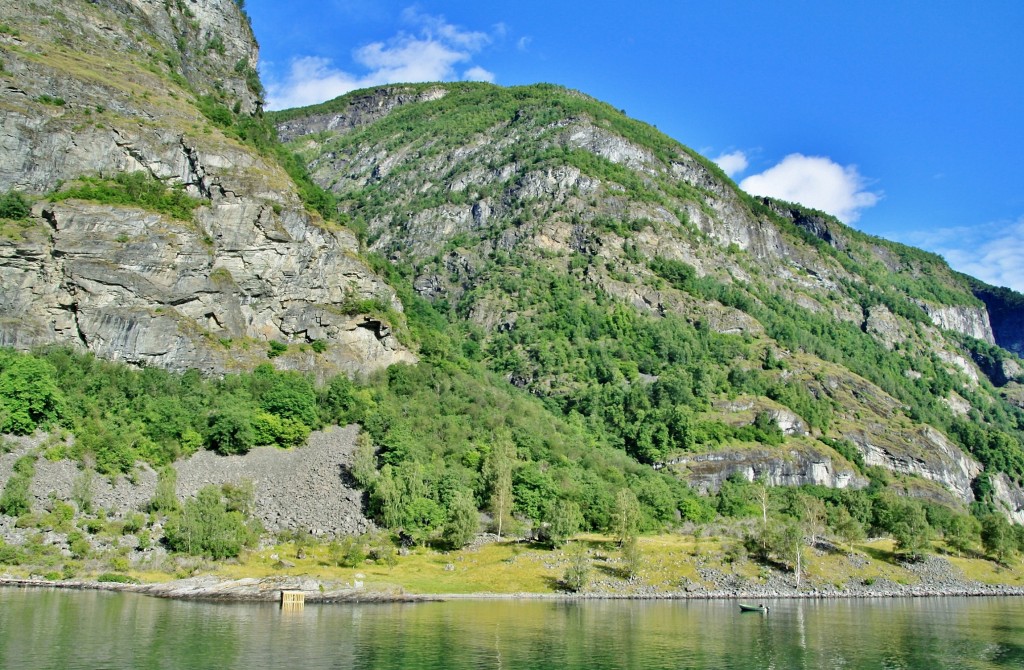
{"points": [[936, 581]]}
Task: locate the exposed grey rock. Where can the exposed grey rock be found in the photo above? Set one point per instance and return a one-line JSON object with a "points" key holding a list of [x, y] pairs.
{"points": [[971, 321], [1010, 497], [884, 325], [1000, 371], [306, 488], [130, 284], [959, 363], [924, 452], [792, 466], [360, 111], [957, 404], [789, 422]]}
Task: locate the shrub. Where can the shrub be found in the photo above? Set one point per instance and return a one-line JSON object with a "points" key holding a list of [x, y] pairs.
{"points": [[563, 519], [10, 555], [81, 490], [272, 429], [133, 523], [463, 521], [60, 516], [51, 100], [231, 428], [78, 545], [577, 575], [29, 396], [119, 563], [116, 578], [15, 499], [351, 552], [164, 498], [14, 205], [216, 43], [94, 526], [133, 188], [205, 527]]}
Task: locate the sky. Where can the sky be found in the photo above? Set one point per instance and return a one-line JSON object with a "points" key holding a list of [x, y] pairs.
{"points": [[903, 119]]}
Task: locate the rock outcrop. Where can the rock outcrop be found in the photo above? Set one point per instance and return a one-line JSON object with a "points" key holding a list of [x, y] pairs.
{"points": [[1006, 314], [124, 93], [970, 321], [923, 452], [1009, 497], [793, 466]]}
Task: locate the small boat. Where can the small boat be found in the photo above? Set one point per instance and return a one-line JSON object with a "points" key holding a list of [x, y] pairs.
{"points": [[763, 609]]}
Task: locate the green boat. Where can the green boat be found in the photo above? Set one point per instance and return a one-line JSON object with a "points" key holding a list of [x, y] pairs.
{"points": [[763, 609]]}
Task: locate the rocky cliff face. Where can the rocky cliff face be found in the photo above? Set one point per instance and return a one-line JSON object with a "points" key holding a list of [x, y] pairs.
{"points": [[111, 87], [794, 466]]}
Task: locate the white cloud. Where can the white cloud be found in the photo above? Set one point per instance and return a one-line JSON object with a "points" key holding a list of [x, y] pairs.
{"points": [[429, 54], [524, 43], [990, 252], [435, 28], [732, 163], [817, 182], [477, 73]]}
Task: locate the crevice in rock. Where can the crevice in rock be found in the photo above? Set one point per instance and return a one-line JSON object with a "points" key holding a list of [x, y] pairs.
{"points": [[134, 153], [73, 308], [195, 172], [379, 329], [51, 220]]}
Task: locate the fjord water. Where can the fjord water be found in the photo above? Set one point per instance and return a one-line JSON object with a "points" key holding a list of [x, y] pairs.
{"points": [[66, 629]]}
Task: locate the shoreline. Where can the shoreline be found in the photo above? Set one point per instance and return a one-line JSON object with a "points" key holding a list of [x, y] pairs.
{"points": [[268, 590]]}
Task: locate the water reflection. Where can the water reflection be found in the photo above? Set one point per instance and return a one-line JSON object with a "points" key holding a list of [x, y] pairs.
{"points": [[54, 629]]}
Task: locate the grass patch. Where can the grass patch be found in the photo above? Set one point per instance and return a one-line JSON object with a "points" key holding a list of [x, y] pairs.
{"points": [[117, 578], [134, 189], [989, 572]]}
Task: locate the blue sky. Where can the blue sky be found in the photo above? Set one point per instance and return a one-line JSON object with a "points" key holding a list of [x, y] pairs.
{"points": [[902, 118]]}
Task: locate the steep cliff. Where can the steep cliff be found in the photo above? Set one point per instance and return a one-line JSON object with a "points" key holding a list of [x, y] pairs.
{"points": [[94, 90]]}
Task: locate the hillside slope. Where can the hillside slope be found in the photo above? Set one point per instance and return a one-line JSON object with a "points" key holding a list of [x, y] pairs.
{"points": [[615, 273]]}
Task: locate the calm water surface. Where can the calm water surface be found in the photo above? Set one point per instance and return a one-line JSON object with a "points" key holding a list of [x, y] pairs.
{"points": [[66, 629]]}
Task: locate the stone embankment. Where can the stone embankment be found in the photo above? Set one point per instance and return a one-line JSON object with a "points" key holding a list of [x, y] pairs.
{"points": [[937, 579], [266, 589]]}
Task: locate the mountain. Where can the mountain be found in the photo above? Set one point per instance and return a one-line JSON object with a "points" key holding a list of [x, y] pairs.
{"points": [[578, 297], [606, 268]]}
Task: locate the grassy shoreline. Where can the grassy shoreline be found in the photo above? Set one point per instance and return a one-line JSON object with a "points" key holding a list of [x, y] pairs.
{"points": [[671, 566]]}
